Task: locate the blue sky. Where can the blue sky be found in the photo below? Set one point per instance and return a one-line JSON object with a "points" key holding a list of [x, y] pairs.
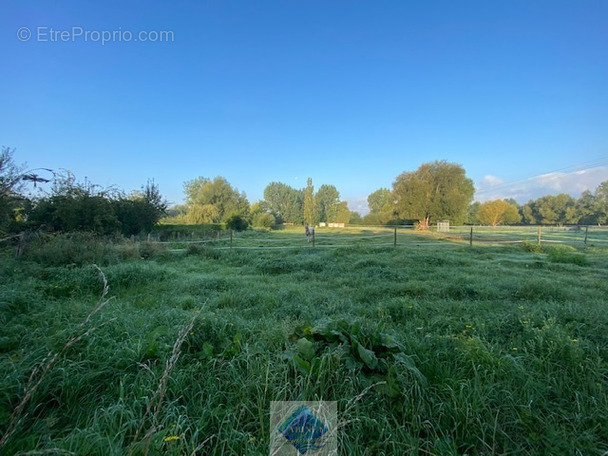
{"points": [[349, 92]]}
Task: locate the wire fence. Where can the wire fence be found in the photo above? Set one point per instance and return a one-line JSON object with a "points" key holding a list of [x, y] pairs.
{"points": [[395, 236]]}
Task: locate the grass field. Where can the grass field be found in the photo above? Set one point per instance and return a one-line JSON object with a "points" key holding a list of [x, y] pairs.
{"points": [[428, 349]]}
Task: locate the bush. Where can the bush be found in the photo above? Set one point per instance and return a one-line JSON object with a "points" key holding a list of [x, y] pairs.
{"points": [[236, 223], [263, 220], [532, 247]]}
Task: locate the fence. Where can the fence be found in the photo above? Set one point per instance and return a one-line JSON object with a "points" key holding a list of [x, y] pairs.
{"points": [[385, 236]]}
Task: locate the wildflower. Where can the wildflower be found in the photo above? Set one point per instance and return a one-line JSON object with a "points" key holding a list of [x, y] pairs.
{"points": [[171, 438]]}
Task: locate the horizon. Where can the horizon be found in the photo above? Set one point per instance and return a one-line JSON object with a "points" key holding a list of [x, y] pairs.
{"points": [[351, 95]]}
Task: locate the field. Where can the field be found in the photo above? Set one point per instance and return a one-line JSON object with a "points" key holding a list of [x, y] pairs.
{"points": [[430, 347]]}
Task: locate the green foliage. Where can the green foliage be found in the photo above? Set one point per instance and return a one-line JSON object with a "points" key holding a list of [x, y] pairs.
{"points": [[263, 220], [479, 351], [435, 191], [472, 212], [551, 210], [564, 254], [368, 352], [498, 212], [237, 223], [213, 201], [81, 248], [78, 210], [309, 207], [381, 207], [14, 206], [283, 202], [327, 200], [76, 207]]}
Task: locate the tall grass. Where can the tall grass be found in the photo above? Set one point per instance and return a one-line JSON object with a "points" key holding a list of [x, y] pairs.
{"points": [[427, 351]]}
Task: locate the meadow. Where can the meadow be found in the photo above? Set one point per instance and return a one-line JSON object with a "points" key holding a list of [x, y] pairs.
{"points": [[430, 347]]}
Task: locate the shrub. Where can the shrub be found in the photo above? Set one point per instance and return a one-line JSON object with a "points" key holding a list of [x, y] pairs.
{"points": [[263, 220], [236, 223], [532, 247]]}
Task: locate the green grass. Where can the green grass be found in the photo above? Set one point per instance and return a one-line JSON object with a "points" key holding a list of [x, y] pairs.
{"points": [[483, 350]]}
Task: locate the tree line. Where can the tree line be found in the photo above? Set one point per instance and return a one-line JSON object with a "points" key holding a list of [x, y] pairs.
{"points": [[70, 206], [440, 190], [217, 201], [435, 191]]}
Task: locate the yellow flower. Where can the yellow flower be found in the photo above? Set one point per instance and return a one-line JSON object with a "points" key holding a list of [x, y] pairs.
{"points": [[171, 438]]}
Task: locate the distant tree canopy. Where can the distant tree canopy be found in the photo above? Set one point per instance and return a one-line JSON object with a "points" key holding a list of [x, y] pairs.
{"points": [[435, 191], [498, 212], [283, 202], [381, 207], [309, 208], [551, 210], [213, 201], [287, 204]]}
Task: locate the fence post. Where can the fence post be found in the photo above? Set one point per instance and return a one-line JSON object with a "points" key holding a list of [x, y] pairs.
{"points": [[230, 238], [395, 238], [539, 235], [586, 233], [471, 238], [313, 237]]}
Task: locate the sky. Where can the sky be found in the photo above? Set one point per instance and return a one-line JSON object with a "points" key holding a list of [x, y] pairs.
{"points": [[351, 93]]}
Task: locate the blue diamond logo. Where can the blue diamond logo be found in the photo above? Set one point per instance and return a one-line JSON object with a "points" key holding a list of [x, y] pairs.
{"points": [[303, 430]]}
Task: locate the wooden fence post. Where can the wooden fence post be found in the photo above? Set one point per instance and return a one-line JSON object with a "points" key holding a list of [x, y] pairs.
{"points": [[313, 237], [230, 238], [539, 235], [395, 238], [471, 238]]}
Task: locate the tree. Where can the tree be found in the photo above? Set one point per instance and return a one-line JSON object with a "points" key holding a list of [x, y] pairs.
{"points": [[310, 213], [530, 213], [381, 206], [237, 223], [13, 204], [600, 203], [556, 210], [355, 218], [343, 213], [263, 220], [435, 191], [141, 210], [498, 212], [213, 201], [283, 202], [586, 208], [472, 212], [327, 199]]}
